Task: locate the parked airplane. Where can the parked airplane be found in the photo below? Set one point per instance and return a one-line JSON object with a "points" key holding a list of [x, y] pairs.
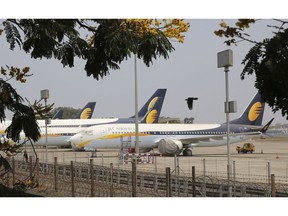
{"points": [[60, 130], [171, 139], [85, 113]]}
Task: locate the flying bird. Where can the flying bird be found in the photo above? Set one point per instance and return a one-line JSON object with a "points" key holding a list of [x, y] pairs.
{"points": [[190, 102]]}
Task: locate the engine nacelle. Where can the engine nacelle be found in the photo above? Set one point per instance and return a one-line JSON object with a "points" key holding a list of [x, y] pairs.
{"points": [[170, 147]]}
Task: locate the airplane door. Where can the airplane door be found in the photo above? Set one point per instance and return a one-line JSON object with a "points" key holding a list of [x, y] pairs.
{"points": [[103, 131]]}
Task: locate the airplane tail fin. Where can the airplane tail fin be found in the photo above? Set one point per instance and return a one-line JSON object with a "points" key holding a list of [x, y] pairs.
{"points": [[253, 114], [150, 112], [153, 114], [59, 114], [87, 111]]}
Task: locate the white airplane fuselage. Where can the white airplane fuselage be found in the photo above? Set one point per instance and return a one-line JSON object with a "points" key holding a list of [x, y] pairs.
{"points": [[150, 135], [60, 130]]}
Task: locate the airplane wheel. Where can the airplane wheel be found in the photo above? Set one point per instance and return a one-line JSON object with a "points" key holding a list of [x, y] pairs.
{"points": [[187, 152]]}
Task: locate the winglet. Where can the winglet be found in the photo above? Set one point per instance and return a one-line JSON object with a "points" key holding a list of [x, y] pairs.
{"points": [[265, 128]]}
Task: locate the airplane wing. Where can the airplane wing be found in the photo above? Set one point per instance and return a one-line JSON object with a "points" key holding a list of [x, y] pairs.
{"points": [[216, 139], [190, 142], [175, 146]]}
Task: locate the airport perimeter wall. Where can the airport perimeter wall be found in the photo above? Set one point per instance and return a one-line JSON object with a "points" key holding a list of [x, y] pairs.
{"points": [[99, 179]]}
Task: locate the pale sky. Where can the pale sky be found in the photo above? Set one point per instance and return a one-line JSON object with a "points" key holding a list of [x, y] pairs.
{"points": [[191, 71]]}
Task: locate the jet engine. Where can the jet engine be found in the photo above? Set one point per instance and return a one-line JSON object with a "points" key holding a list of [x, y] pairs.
{"points": [[170, 147]]}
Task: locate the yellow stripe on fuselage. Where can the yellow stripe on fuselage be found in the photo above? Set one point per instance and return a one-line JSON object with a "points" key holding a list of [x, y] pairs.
{"points": [[50, 135], [116, 136], [83, 144]]}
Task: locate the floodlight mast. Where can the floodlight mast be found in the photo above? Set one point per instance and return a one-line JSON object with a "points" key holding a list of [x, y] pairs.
{"points": [[225, 59], [45, 96], [136, 110]]}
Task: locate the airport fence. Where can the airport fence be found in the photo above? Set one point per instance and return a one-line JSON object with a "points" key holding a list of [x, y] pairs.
{"points": [[94, 179], [246, 169]]}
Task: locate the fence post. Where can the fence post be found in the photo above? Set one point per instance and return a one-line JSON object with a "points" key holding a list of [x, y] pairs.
{"points": [[134, 178], [168, 182], [193, 182], [141, 181], [234, 177], [185, 185], [111, 180], [55, 174], [118, 176], [155, 163], [204, 177], [273, 188], [243, 191], [178, 175], [155, 176], [92, 178], [37, 169], [13, 171], [7, 181], [72, 179], [175, 169], [155, 183], [269, 178], [221, 190], [30, 167]]}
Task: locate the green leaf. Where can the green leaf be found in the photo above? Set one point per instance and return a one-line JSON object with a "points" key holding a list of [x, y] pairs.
{"points": [[12, 35]]}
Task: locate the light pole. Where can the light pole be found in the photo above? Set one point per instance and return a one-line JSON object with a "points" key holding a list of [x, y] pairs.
{"points": [[225, 59], [45, 96], [136, 111]]}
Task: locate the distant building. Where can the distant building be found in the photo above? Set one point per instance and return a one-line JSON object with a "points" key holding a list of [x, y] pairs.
{"points": [[176, 120]]}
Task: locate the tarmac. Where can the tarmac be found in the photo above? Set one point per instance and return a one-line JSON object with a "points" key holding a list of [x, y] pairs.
{"points": [[270, 157]]}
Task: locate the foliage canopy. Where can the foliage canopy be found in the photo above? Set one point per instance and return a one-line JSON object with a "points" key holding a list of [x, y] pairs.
{"points": [[267, 59], [105, 44]]}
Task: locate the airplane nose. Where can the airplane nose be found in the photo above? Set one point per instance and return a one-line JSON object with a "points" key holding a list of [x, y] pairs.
{"points": [[74, 140]]}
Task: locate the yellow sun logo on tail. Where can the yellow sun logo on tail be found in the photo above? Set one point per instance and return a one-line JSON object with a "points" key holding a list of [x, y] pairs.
{"points": [[86, 113], [152, 115], [255, 111]]}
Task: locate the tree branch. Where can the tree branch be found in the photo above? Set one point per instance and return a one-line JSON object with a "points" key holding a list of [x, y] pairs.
{"points": [[85, 26]]}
